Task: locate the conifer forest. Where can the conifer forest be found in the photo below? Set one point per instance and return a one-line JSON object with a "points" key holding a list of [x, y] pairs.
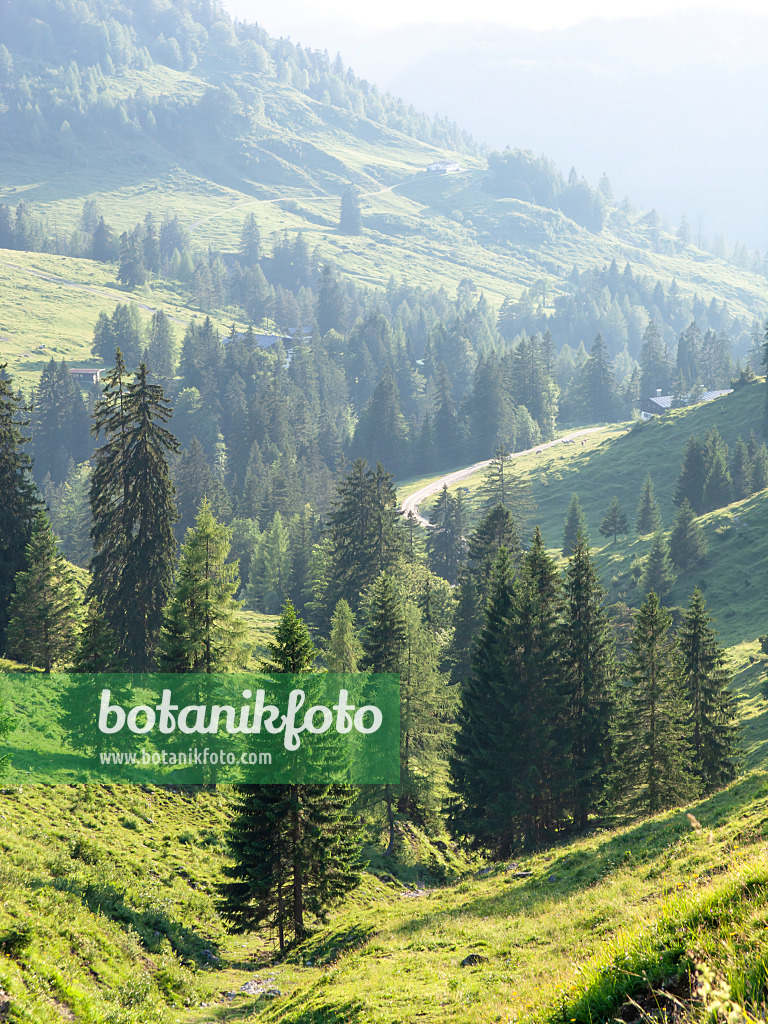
{"points": [[298, 380]]}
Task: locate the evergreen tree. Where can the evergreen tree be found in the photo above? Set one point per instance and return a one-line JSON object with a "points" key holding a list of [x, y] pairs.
{"points": [[688, 354], [718, 488], [250, 241], [510, 764], [648, 512], [653, 363], [161, 355], [131, 271], [693, 475], [588, 663], [133, 513], [477, 775], [19, 501], [687, 543], [614, 521], [712, 710], [381, 434], [658, 574], [59, 424], [45, 610], [201, 630], [574, 525], [295, 847], [270, 569], [344, 649], [291, 646], [740, 469], [598, 385], [362, 530], [350, 216], [446, 547], [384, 638], [330, 302], [650, 749], [501, 486]]}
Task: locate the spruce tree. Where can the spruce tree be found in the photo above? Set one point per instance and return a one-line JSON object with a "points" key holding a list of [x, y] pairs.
{"points": [[46, 608], [693, 475], [658, 573], [446, 547], [19, 501], [711, 708], [363, 534], [650, 751], [344, 649], [501, 486], [384, 637], [201, 630], [687, 543], [574, 524], [740, 469], [59, 424], [510, 764], [133, 512], [477, 774], [588, 667], [350, 216], [614, 521], [718, 489], [295, 847], [648, 513]]}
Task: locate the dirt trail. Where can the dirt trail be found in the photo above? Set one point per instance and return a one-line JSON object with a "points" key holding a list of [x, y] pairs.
{"points": [[412, 503]]}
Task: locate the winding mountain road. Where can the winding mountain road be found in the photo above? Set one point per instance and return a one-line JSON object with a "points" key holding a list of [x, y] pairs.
{"points": [[411, 504]]}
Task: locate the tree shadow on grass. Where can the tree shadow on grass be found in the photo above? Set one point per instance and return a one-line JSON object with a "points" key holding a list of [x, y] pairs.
{"points": [[575, 870]]}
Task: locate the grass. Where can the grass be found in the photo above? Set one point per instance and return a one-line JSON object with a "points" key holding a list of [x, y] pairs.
{"points": [[55, 301], [108, 914]]}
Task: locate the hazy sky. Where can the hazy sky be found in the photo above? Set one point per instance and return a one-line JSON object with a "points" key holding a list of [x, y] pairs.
{"points": [[305, 20]]}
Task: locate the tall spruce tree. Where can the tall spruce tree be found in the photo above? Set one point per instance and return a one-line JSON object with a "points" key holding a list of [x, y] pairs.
{"points": [[687, 544], [46, 608], [650, 749], [495, 530], [588, 669], [658, 573], [446, 547], [201, 630], [574, 524], [19, 501], [718, 488], [711, 708], [614, 520], [344, 648], [384, 638], [477, 775], [501, 486], [295, 847], [133, 513], [648, 513], [363, 534], [693, 475], [514, 784], [59, 424]]}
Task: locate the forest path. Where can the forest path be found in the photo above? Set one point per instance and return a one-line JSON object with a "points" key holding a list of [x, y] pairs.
{"points": [[411, 503]]}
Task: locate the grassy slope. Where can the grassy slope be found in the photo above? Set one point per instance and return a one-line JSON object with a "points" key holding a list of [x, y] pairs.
{"points": [[115, 886], [432, 230]]}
